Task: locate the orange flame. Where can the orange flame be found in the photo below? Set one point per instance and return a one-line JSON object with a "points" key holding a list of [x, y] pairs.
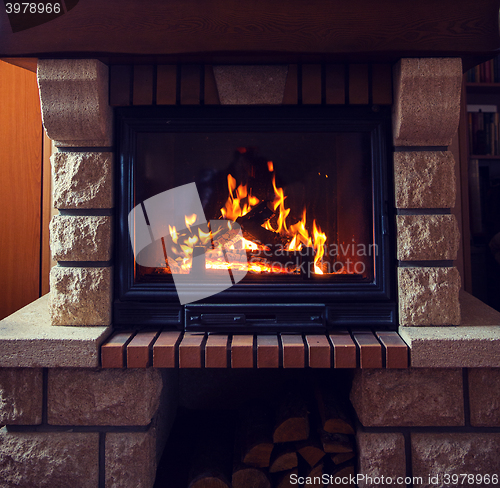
{"points": [[240, 202], [235, 207]]}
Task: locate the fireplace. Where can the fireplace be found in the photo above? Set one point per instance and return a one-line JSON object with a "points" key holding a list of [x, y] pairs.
{"points": [[307, 187], [74, 418]]}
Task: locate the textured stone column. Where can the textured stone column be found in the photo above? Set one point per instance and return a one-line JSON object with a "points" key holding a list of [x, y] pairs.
{"points": [[484, 397], [20, 396], [421, 397], [131, 459], [380, 455], [455, 453], [58, 459], [426, 113], [80, 295], [76, 115]]}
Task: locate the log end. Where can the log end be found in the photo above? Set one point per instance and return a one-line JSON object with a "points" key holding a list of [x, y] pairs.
{"points": [[259, 456], [292, 430]]}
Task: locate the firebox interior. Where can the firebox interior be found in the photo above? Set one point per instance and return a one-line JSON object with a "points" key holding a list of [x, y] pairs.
{"points": [[306, 187]]}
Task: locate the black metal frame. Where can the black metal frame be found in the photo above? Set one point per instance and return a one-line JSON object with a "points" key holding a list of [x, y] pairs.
{"points": [[344, 303]]}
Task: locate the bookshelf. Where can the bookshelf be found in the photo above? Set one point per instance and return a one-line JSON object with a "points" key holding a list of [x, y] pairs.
{"points": [[482, 89]]}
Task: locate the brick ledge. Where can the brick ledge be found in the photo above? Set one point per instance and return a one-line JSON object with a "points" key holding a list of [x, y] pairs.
{"points": [[28, 340], [473, 344]]}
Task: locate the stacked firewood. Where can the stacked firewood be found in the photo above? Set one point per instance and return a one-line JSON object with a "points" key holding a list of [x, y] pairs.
{"points": [[276, 447]]}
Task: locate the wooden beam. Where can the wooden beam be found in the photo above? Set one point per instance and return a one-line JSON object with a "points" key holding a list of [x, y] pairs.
{"points": [[216, 351], [166, 84], [190, 84], [139, 349], [242, 351], [268, 352], [120, 85], [311, 84], [358, 84], [370, 349], [143, 85], [344, 350], [198, 28], [165, 349], [395, 349], [113, 350], [382, 84], [335, 84], [190, 350], [293, 350], [319, 351]]}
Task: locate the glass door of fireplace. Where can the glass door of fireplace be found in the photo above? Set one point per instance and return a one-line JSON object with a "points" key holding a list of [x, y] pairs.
{"points": [[292, 202]]}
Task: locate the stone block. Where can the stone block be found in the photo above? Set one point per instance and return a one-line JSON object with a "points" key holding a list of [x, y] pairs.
{"points": [[380, 455], [474, 344], [82, 180], [28, 340], [49, 460], [131, 459], [454, 453], [484, 397], [251, 85], [103, 396], [429, 296], [74, 102], [408, 397], [427, 237], [20, 396], [424, 179], [80, 238], [426, 108], [80, 296]]}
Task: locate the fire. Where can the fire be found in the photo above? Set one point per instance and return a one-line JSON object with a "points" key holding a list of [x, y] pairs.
{"points": [[240, 202], [235, 206]]}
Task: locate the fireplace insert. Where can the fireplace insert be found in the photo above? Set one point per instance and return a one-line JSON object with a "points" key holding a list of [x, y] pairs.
{"points": [[253, 218]]}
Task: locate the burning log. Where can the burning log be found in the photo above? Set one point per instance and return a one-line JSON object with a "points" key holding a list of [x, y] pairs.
{"points": [[333, 417], [257, 216], [251, 225], [256, 441], [292, 420], [283, 458]]}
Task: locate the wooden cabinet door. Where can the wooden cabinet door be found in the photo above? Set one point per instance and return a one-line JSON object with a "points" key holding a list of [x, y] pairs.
{"points": [[21, 137]]}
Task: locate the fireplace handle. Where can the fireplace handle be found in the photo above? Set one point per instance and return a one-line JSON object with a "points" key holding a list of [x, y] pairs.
{"points": [[222, 318]]}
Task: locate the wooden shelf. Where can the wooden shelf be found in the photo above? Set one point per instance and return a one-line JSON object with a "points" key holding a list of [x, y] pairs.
{"points": [[484, 156], [482, 87]]}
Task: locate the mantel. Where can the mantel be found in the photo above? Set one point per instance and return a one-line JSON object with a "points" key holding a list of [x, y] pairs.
{"points": [[287, 30]]}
